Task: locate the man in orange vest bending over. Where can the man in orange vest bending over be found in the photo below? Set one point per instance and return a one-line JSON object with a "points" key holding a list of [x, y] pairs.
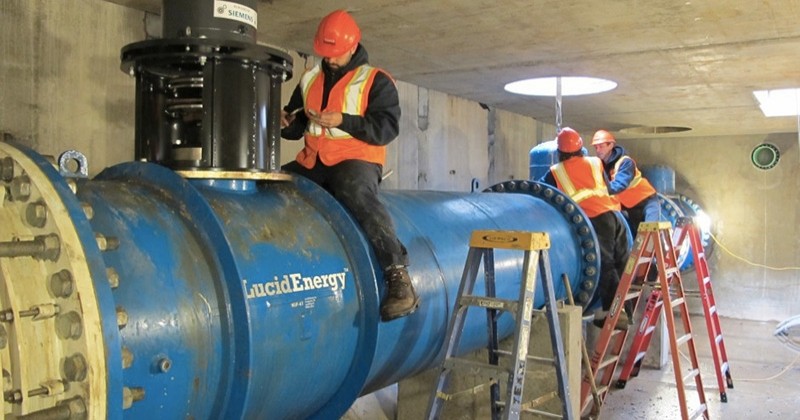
{"points": [[582, 179], [350, 112], [634, 192]]}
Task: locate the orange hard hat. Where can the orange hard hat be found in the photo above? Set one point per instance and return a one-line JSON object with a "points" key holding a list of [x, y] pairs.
{"points": [[337, 33], [569, 140], [603, 136]]}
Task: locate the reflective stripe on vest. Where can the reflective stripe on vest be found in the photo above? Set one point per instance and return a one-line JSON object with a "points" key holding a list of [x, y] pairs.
{"points": [[354, 98], [639, 188], [591, 192], [349, 95]]}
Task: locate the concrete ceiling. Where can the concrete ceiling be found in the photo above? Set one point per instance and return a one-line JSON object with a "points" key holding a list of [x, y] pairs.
{"points": [[678, 63]]}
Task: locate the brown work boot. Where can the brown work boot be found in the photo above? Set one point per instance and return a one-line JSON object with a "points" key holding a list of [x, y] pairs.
{"points": [[401, 299]]}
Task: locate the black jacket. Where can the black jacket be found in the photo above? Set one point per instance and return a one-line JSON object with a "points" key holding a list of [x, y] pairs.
{"points": [[381, 121]]}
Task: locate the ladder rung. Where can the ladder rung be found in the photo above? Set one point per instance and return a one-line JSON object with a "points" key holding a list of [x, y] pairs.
{"points": [[724, 367], [683, 339], [607, 362], [691, 375], [718, 338], [678, 301], [706, 280], [602, 389], [712, 310], [643, 260], [671, 271], [547, 360], [639, 356], [649, 330], [489, 303], [484, 371], [698, 412], [633, 295]]}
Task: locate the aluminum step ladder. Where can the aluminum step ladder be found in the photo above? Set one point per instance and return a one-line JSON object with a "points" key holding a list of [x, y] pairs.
{"points": [[482, 245]]}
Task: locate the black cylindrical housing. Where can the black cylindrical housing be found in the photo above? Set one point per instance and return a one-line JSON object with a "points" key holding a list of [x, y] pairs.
{"points": [[232, 19]]}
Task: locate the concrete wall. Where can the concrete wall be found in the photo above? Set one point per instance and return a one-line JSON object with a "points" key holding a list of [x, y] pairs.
{"points": [[754, 212], [60, 83], [61, 88]]}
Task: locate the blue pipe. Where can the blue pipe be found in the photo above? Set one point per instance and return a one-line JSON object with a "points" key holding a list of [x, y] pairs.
{"points": [[260, 300]]}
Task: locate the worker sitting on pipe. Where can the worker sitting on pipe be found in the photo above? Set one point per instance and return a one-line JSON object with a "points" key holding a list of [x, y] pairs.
{"points": [[351, 111]]}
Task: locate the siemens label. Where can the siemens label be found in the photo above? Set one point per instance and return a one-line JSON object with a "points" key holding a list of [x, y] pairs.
{"points": [[293, 283], [235, 11]]}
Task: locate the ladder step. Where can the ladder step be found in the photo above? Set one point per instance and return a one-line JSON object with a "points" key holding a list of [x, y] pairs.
{"points": [[672, 271], [633, 295], [545, 360], [683, 339], [484, 371], [489, 303], [639, 356], [699, 411], [706, 280], [712, 310], [718, 338], [650, 330], [691, 375], [678, 301], [607, 362], [724, 367]]}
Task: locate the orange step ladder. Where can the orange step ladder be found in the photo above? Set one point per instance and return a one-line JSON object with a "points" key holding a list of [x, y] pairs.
{"points": [[653, 244], [685, 228]]}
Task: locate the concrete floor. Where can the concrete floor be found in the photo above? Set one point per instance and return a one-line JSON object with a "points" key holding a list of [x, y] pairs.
{"points": [[766, 377], [765, 372]]}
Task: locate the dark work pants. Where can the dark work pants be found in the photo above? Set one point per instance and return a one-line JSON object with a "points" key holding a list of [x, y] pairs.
{"points": [[613, 240], [354, 183], [648, 210]]}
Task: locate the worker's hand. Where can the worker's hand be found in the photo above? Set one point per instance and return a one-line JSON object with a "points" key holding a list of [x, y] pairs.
{"points": [[325, 119], [286, 118]]}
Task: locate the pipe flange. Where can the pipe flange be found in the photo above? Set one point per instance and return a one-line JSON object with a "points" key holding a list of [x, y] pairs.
{"points": [[52, 317], [585, 237]]}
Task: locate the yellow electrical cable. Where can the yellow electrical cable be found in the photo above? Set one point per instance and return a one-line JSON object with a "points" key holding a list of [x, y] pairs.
{"points": [[724, 248]]}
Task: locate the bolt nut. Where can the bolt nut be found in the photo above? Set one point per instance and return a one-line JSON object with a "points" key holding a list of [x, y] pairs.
{"points": [[74, 368], [130, 396], [113, 277], [36, 214], [88, 211], [127, 358], [76, 406], [122, 317], [61, 284], [51, 247], [21, 188], [7, 169], [69, 326]]}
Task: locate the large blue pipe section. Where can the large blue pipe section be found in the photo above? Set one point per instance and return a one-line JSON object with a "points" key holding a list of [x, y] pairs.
{"points": [[245, 299]]}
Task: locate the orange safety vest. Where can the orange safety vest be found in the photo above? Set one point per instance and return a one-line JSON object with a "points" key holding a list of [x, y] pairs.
{"points": [[349, 96], [639, 188], [582, 180]]}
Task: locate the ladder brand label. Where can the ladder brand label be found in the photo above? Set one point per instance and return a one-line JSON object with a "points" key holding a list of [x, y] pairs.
{"points": [[293, 283]]}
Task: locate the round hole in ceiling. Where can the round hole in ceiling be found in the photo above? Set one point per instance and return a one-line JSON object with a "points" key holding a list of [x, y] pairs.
{"points": [[765, 156]]}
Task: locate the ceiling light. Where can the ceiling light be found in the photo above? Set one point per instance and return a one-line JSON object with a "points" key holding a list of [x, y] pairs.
{"points": [[778, 102], [570, 86]]}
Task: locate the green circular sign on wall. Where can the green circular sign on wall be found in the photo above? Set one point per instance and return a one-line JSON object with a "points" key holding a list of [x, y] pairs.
{"points": [[765, 156]]}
